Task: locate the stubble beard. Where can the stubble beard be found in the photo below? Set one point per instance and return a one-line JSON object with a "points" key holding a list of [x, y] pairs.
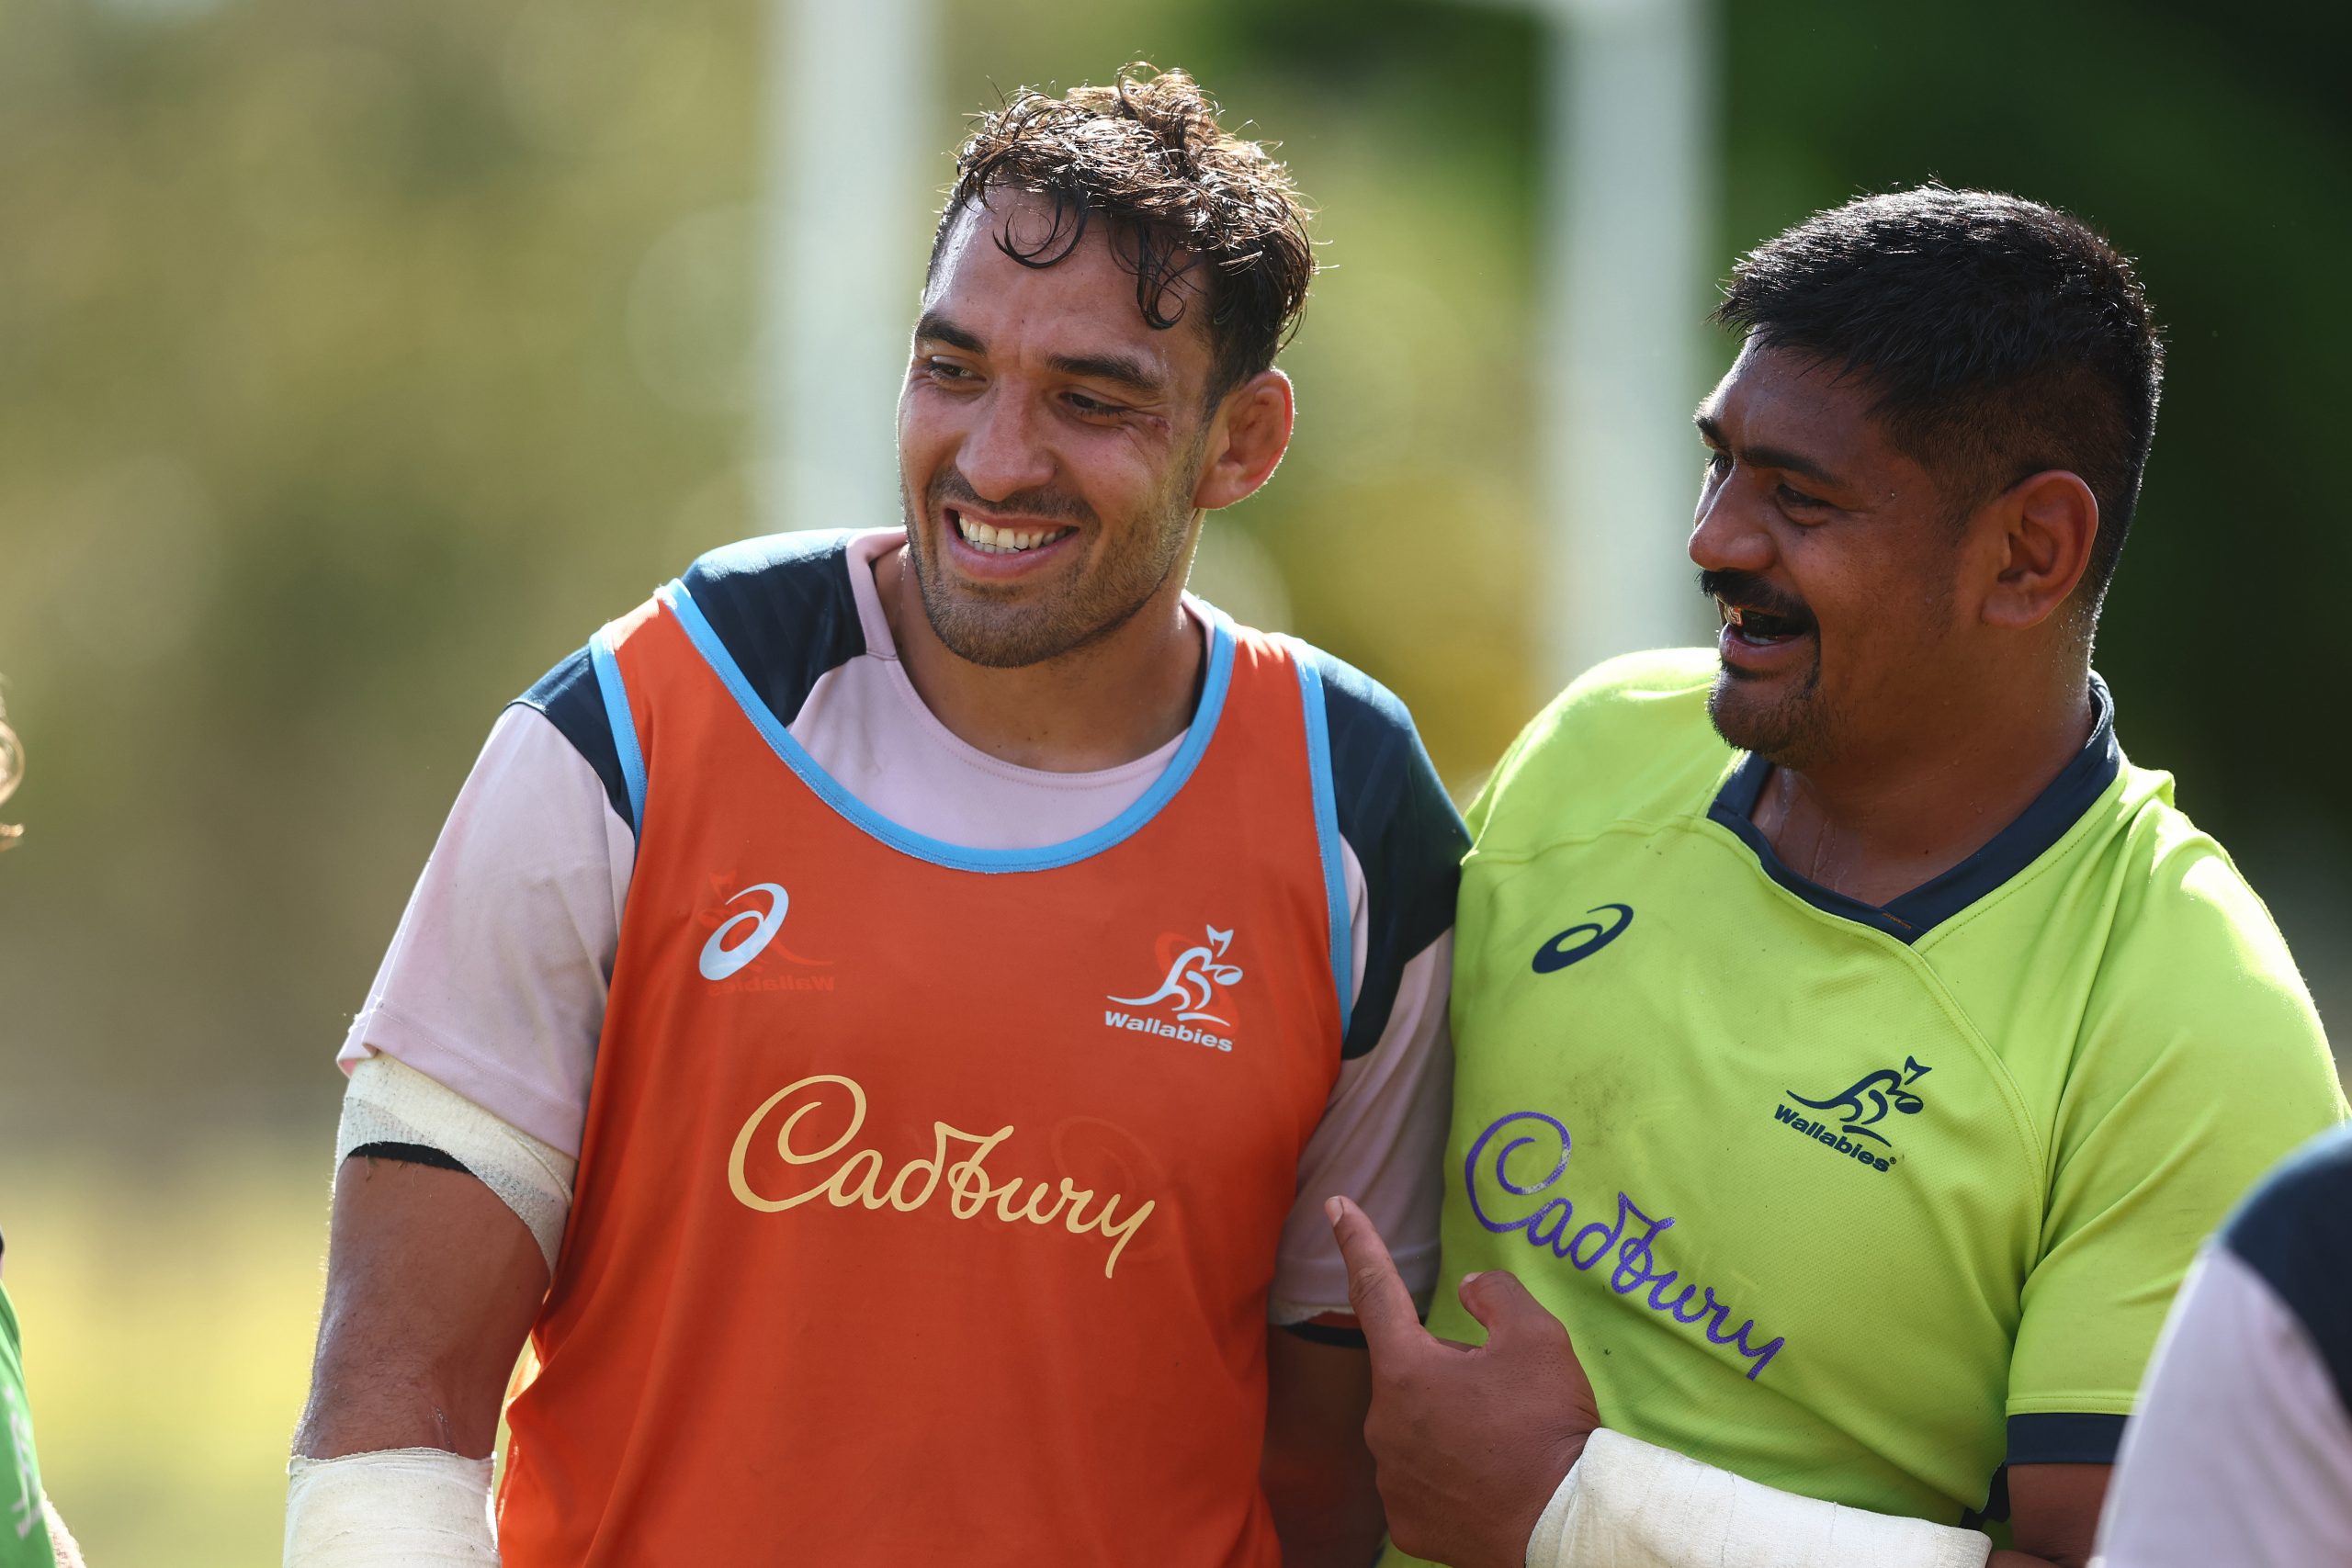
{"points": [[1013, 631], [1794, 731]]}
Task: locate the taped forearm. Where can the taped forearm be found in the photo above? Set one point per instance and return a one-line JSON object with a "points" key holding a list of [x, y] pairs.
{"points": [[396, 1508], [1627, 1504], [389, 1102]]}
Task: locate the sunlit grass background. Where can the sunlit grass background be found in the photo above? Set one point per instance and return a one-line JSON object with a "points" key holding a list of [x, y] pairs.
{"points": [[355, 361], [168, 1312]]}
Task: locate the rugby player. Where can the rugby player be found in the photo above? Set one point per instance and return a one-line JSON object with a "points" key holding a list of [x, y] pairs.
{"points": [[1853, 1046], [31, 1535], [2241, 1449], [883, 1016]]}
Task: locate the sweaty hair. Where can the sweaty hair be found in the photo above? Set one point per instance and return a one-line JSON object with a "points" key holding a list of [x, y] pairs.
{"points": [[1201, 217], [2000, 336]]}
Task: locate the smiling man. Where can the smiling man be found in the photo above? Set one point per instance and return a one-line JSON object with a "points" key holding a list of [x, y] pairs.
{"points": [[1854, 1047], [874, 1012]]}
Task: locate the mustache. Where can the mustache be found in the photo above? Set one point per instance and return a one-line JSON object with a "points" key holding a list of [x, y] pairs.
{"points": [[950, 487], [1750, 591]]}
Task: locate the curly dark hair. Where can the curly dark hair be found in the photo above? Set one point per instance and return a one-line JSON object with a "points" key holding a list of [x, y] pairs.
{"points": [[1179, 192]]}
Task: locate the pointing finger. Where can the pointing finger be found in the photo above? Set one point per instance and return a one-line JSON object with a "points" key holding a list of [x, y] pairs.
{"points": [[1383, 1305]]}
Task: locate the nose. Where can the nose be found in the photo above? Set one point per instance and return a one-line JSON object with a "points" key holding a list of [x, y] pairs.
{"points": [[1005, 452], [1726, 535]]}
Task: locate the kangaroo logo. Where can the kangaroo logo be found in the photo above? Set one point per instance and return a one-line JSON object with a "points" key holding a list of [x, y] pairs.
{"points": [[1867, 1102], [1193, 981]]}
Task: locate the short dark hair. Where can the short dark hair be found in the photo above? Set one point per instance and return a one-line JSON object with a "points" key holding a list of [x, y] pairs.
{"points": [[2002, 337], [1180, 193]]}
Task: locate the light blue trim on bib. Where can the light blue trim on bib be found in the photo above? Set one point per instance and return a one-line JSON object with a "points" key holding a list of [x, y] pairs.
{"points": [[959, 857], [617, 714], [1327, 831]]}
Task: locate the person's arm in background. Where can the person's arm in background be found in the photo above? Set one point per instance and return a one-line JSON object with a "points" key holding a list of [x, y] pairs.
{"points": [[2241, 1449], [16, 1443]]}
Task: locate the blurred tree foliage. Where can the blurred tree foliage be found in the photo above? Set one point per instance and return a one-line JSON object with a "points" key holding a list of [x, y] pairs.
{"points": [[355, 361]]}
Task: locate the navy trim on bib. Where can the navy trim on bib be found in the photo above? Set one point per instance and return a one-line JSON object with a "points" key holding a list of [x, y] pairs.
{"points": [[1913, 914]]}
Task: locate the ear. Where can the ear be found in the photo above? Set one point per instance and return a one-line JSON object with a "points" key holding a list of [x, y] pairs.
{"points": [[2047, 522], [1248, 435]]}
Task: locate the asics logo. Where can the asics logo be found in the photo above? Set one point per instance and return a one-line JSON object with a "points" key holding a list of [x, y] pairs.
{"points": [[719, 959], [1582, 941]]}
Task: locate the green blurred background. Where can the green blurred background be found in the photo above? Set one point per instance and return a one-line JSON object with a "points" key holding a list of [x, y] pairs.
{"points": [[356, 361]]}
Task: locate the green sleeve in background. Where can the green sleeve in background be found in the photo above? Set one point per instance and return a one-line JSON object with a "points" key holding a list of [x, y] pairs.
{"points": [[24, 1535]]}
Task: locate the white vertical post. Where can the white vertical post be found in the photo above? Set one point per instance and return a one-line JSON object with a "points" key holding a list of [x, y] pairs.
{"points": [[1628, 190], [851, 175]]}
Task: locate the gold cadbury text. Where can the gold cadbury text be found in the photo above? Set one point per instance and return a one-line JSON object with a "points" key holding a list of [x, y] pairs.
{"points": [[858, 1179]]}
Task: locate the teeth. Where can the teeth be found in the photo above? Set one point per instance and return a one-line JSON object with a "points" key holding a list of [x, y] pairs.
{"points": [[1003, 541]]}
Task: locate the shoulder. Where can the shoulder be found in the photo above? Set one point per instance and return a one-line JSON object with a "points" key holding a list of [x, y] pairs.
{"points": [[1629, 738], [784, 606], [1386, 787], [2191, 945], [1376, 749], [2295, 1232], [2199, 1049], [1395, 814]]}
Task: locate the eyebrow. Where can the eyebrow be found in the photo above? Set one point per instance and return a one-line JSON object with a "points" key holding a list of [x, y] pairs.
{"points": [[1120, 370], [1130, 371], [936, 328], [1766, 456]]}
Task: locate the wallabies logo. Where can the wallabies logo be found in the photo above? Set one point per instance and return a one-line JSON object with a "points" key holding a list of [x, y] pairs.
{"points": [[1865, 1105]]}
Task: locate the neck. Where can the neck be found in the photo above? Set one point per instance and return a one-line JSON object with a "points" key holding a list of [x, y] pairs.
{"points": [[1876, 826], [1118, 698]]}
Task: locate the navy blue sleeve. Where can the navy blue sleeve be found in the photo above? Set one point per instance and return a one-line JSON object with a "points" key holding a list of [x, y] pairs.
{"points": [[782, 604], [785, 608], [567, 697], [2296, 1232], [1398, 817]]}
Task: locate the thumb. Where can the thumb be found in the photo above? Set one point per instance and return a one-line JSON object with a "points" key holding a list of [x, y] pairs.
{"points": [[1507, 1311]]}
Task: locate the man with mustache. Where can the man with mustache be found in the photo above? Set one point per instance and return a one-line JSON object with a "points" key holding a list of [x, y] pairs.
{"points": [[1853, 1046], [882, 1017]]}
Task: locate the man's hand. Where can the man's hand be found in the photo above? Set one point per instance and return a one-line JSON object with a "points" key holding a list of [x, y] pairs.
{"points": [[1470, 1443]]}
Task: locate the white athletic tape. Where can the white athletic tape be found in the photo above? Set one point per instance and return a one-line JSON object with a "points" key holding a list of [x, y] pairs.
{"points": [[395, 1508], [388, 1103], [1629, 1505]]}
